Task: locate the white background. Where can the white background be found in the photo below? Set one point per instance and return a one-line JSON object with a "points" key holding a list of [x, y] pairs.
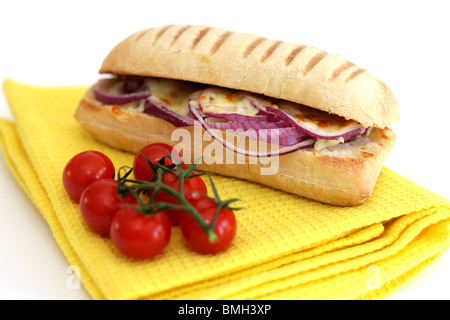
{"points": [[404, 43]]}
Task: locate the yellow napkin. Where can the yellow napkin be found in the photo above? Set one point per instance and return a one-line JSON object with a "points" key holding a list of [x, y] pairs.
{"points": [[286, 247]]}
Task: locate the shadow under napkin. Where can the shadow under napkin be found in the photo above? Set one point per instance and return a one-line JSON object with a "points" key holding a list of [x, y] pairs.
{"points": [[287, 247]]}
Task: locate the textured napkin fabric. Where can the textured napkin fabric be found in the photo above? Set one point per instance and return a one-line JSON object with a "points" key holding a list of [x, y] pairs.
{"points": [[286, 247]]}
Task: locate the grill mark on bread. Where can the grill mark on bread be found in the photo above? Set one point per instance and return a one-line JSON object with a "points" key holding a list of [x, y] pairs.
{"points": [[341, 69], [220, 41], [269, 51], [141, 34], [199, 37], [178, 34], [161, 32], [253, 46], [313, 62], [294, 54], [354, 74]]}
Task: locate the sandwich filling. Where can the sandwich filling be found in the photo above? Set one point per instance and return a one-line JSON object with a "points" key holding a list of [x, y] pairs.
{"points": [[288, 125]]}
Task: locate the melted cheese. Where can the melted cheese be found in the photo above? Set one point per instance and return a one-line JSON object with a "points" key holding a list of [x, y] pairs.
{"points": [[317, 121], [219, 100], [223, 101], [175, 94], [134, 107], [322, 144]]}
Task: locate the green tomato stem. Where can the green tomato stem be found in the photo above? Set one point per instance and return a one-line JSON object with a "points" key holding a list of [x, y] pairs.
{"points": [[177, 195]]}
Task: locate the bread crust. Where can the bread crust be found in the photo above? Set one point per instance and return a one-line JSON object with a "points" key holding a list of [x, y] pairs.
{"points": [[278, 69], [342, 175]]}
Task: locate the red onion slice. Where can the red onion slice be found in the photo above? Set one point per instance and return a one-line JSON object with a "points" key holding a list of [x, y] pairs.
{"points": [[194, 106], [280, 136], [236, 117], [237, 108], [291, 140], [282, 132], [245, 125], [156, 107], [351, 130], [133, 85], [117, 99]]}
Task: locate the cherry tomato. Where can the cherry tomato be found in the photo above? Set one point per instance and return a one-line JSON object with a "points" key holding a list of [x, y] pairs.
{"points": [[85, 168], [100, 202], [153, 152], [140, 236], [202, 202], [195, 196], [193, 190], [225, 228]]}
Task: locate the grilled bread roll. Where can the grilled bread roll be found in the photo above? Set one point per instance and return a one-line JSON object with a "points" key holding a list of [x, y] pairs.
{"points": [[288, 71], [344, 174]]}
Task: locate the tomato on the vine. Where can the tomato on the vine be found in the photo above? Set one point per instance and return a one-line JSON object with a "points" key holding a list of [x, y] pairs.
{"points": [[154, 153], [85, 168], [131, 223], [100, 202], [193, 189], [225, 228], [138, 235]]}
